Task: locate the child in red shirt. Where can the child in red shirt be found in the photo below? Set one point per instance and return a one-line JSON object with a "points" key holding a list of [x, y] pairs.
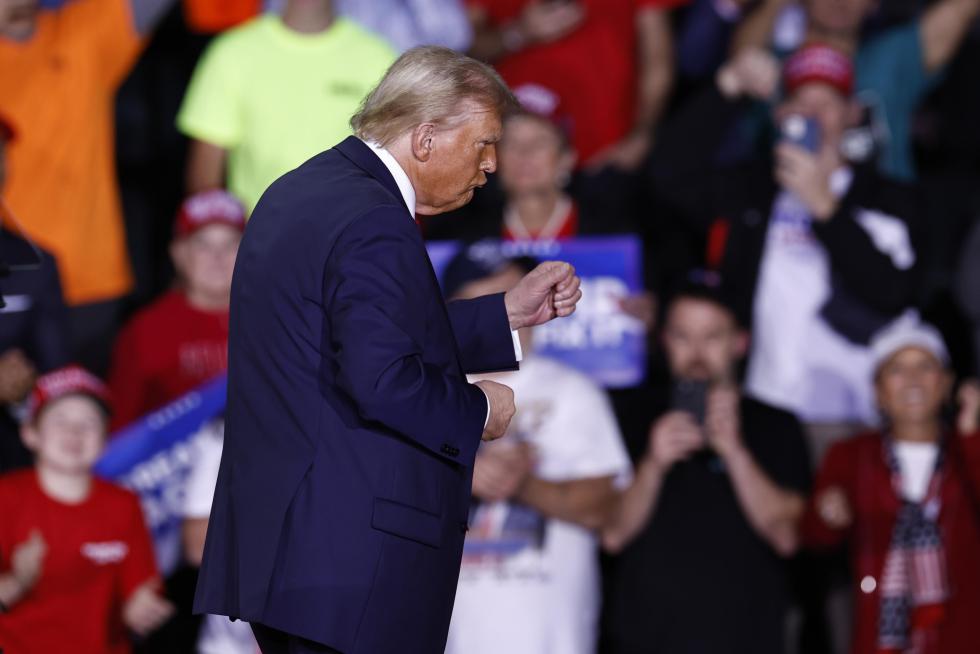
{"points": [[181, 340], [76, 563]]}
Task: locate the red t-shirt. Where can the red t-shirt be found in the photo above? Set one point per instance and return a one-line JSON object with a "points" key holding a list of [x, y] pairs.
{"points": [[166, 350], [98, 553], [592, 72]]}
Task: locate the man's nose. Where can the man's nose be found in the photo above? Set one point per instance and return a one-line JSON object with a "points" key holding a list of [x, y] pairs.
{"points": [[490, 163]]}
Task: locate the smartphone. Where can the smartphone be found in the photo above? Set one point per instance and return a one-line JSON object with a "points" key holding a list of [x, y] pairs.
{"points": [[803, 131], [690, 396]]}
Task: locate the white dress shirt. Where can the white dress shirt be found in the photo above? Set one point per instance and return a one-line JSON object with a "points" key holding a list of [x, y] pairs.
{"points": [[408, 194]]}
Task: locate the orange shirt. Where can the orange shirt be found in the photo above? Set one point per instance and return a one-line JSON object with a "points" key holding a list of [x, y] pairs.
{"points": [[59, 89]]}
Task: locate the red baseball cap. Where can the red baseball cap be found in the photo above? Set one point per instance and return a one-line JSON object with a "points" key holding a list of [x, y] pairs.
{"points": [[819, 63], [216, 206], [70, 380], [543, 103]]}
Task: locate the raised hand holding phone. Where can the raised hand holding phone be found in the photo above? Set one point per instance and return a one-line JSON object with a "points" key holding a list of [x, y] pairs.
{"points": [[673, 438], [722, 423]]}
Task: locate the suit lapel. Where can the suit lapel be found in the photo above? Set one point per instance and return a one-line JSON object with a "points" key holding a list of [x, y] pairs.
{"points": [[364, 158]]}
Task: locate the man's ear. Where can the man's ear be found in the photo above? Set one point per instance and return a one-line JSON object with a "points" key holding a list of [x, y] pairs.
{"points": [[422, 141]]}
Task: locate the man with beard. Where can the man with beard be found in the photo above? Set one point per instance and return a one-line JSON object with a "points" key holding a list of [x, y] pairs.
{"points": [[715, 502]]}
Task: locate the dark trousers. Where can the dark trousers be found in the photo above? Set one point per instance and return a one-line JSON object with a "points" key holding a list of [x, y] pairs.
{"points": [[273, 641]]}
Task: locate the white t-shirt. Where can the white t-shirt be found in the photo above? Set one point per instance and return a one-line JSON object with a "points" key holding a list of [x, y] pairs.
{"points": [[530, 585], [219, 635], [917, 462], [798, 361]]}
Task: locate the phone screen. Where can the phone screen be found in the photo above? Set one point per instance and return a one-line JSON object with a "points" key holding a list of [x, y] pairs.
{"points": [[802, 131], [689, 396]]}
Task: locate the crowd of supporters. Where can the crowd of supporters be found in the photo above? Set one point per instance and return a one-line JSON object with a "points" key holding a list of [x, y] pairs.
{"points": [[800, 471]]}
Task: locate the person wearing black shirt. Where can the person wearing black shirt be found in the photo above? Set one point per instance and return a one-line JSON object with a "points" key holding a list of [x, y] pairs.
{"points": [[714, 507], [33, 334]]}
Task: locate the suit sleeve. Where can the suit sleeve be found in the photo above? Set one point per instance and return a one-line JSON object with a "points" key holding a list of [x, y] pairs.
{"points": [[483, 334], [376, 288]]}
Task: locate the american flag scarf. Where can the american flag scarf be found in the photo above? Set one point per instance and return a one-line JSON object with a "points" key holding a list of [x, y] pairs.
{"points": [[914, 585]]}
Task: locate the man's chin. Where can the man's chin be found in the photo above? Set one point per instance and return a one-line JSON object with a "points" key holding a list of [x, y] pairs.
{"points": [[699, 376], [461, 201]]}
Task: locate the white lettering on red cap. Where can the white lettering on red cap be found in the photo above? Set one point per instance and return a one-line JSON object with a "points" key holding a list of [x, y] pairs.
{"points": [[537, 99], [213, 205], [69, 380]]}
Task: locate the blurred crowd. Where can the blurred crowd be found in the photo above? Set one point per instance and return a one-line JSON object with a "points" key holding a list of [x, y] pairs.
{"points": [[800, 472]]}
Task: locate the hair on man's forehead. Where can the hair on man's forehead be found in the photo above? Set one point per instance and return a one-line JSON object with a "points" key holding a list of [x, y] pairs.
{"points": [[429, 84]]}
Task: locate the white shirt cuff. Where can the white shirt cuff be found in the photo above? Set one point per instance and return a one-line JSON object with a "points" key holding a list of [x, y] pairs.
{"points": [[519, 356], [487, 421]]}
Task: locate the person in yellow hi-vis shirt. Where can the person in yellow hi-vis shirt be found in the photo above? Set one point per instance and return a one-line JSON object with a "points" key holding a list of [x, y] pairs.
{"points": [[273, 92]]}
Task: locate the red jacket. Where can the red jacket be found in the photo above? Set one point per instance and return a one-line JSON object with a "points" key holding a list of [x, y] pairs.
{"points": [[858, 467]]}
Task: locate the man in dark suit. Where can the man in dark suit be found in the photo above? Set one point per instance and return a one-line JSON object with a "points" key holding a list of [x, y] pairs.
{"points": [[342, 497]]}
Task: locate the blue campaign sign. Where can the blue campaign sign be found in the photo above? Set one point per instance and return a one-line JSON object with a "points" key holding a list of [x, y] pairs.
{"points": [[153, 456], [598, 339]]}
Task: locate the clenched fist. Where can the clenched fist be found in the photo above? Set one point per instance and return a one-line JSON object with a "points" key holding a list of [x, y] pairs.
{"points": [[500, 470], [549, 291], [834, 509], [501, 408]]}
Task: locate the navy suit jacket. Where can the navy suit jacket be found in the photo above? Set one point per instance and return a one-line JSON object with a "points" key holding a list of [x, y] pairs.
{"points": [[344, 487]]}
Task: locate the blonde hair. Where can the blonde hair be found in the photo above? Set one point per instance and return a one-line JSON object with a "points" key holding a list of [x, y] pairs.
{"points": [[428, 84]]}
